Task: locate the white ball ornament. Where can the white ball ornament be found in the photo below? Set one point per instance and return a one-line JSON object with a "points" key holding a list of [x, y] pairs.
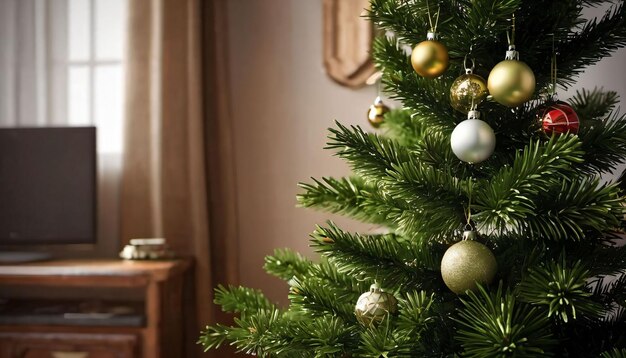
{"points": [[473, 140]]}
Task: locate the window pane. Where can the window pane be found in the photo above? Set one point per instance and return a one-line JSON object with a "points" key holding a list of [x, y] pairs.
{"points": [[78, 95], [79, 29], [109, 107], [110, 29]]}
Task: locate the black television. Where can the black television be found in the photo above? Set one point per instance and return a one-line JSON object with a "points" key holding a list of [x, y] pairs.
{"points": [[47, 185]]}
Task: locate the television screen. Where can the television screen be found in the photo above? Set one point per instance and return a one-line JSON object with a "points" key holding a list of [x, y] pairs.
{"points": [[47, 185]]}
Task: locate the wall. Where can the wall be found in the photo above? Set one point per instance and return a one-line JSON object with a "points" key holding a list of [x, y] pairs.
{"points": [[282, 103]]}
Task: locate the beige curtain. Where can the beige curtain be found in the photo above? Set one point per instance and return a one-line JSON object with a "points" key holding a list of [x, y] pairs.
{"points": [[176, 131]]}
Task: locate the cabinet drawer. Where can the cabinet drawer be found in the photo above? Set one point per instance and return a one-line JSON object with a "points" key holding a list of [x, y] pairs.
{"points": [[68, 345]]}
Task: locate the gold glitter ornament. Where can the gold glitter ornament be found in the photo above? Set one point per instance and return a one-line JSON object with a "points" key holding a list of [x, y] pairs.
{"points": [[467, 263], [468, 91], [376, 113], [374, 306]]}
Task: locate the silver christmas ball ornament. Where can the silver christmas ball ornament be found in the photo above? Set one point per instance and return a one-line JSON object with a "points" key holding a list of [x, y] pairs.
{"points": [[374, 306], [473, 140]]}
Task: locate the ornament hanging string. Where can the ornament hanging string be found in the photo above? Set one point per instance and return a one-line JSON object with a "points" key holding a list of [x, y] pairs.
{"points": [[469, 206], [468, 69], [430, 18], [553, 69], [510, 37]]}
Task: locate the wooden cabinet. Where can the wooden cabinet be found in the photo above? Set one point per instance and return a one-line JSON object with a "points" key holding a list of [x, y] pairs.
{"points": [[162, 335], [68, 345]]}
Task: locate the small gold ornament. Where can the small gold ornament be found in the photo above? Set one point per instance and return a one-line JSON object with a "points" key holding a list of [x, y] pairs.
{"points": [[511, 82], [467, 263], [376, 113], [430, 58], [374, 306], [468, 91]]}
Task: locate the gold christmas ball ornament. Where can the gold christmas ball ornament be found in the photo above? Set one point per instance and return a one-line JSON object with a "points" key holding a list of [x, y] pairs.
{"points": [[430, 58], [467, 263], [511, 82], [376, 113], [468, 91], [374, 306]]}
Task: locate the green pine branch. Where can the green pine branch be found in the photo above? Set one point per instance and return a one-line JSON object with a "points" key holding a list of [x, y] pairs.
{"points": [[285, 264], [576, 210], [408, 20], [338, 280], [369, 155], [261, 334], [485, 20], [592, 338], [615, 353], [597, 39], [293, 267], [312, 296], [384, 341], [416, 312], [496, 325], [436, 198], [604, 143], [504, 202], [612, 293], [241, 300], [327, 336], [593, 105], [351, 197], [561, 289], [406, 128], [271, 333], [381, 257], [603, 131], [430, 200], [607, 260]]}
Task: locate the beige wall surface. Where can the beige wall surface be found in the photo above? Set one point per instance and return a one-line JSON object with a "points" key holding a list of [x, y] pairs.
{"points": [[282, 103]]}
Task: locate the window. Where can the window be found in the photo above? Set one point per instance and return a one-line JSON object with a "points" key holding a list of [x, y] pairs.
{"points": [[95, 68], [62, 63]]}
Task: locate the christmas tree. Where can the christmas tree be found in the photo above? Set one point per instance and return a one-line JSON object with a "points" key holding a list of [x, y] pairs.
{"points": [[501, 238]]}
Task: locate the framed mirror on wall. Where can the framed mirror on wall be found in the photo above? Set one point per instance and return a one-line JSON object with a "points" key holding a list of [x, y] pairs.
{"points": [[348, 38]]}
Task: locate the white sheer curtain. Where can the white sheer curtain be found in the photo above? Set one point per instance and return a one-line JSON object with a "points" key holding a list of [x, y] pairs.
{"points": [[32, 47], [62, 63]]}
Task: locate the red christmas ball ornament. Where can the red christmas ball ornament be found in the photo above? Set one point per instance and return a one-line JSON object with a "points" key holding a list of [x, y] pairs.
{"points": [[559, 117]]}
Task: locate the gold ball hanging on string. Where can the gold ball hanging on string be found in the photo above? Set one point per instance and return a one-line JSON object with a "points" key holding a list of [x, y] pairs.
{"points": [[376, 113], [430, 58], [468, 91], [467, 264], [511, 82]]}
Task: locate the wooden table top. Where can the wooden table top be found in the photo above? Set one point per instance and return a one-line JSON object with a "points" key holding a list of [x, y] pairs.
{"points": [[113, 268]]}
